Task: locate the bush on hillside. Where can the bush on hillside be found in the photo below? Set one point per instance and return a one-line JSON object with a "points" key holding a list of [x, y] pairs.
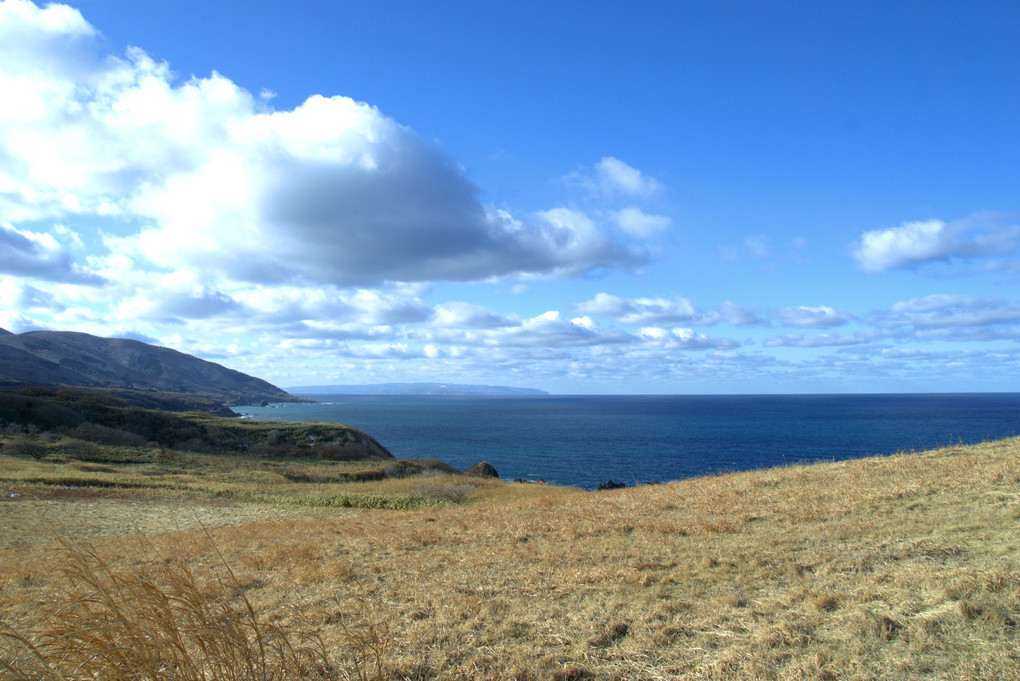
{"points": [[25, 447], [80, 450], [29, 411], [104, 435], [343, 452]]}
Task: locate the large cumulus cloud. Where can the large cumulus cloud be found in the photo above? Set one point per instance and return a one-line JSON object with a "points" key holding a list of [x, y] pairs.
{"points": [[212, 179]]}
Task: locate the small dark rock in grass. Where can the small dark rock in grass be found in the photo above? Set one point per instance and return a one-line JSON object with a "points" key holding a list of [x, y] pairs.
{"points": [[611, 635], [572, 674]]}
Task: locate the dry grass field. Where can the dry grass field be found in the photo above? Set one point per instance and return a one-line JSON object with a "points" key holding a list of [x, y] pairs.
{"points": [[901, 567]]}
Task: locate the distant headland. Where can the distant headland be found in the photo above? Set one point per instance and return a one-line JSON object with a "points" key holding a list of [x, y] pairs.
{"points": [[414, 389]]}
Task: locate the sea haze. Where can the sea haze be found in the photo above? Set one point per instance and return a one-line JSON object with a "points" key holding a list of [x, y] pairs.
{"points": [[585, 440]]}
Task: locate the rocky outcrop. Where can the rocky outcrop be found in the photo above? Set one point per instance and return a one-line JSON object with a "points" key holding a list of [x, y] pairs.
{"points": [[483, 469]]}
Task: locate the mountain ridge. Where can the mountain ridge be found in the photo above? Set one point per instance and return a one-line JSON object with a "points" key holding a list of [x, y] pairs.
{"points": [[83, 360]]}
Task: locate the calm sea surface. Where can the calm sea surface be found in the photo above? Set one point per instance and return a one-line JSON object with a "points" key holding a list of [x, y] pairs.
{"points": [[585, 440]]}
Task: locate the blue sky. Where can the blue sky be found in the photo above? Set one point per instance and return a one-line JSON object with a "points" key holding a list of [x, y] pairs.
{"points": [[585, 197]]}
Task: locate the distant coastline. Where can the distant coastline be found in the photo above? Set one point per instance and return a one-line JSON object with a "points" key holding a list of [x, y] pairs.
{"points": [[414, 389]]}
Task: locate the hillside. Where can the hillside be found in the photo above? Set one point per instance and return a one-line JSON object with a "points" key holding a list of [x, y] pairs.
{"points": [[903, 567], [100, 418], [79, 359]]}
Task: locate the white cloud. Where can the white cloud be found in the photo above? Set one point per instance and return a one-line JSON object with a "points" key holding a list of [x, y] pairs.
{"points": [[285, 304], [636, 222], [333, 332], [249, 310], [330, 192], [549, 330], [558, 242], [904, 246], [971, 334], [16, 322], [639, 310], [355, 206], [468, 315], [31, 34], [81, 132], [757, 246], [668, 311], [176, 306], [731, 313], [685, 339], [942, 311], [373, 306], [381, 351], [612, 178], [815, 341], [820, 317], [15, 294], [616, 176], [39, 256], [915, 243]]}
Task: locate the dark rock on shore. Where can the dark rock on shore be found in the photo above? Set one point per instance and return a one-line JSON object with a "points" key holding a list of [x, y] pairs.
{"points": [[609, 484]]}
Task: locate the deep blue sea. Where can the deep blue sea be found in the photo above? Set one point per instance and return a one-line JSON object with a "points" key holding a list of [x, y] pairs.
{"points": [[585, 440]]}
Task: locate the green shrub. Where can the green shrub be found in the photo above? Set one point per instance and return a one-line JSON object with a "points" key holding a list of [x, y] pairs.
{"points": [[81, 450], [104, 435], [26, 448]]}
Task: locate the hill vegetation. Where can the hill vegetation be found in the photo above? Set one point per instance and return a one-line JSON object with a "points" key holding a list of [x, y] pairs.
{"points": [[101, 418], [900, 567]]}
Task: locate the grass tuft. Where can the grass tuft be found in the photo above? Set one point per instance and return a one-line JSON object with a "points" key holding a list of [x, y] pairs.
{"points": [[163, 623]]}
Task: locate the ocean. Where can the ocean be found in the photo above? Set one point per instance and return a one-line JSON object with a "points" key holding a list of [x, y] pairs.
{"points": [[585, 440]]}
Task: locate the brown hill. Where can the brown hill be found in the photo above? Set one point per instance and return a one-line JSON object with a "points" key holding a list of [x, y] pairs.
{"points": [[79, 359]]}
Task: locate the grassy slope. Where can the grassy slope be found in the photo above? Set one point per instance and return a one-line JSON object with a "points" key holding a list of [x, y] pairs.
{"points": [[71, 468], [903, 567], [108, 419]]}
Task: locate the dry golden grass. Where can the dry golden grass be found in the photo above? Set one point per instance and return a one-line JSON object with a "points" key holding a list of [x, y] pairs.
{"points": [[158, 623], [902, 567], [148, 471]]}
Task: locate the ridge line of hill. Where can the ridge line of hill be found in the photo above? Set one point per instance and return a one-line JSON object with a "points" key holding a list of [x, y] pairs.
{"points": [[131, 368]]}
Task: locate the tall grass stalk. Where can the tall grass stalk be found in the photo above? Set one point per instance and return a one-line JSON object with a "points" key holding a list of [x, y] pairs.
{"points": [[156, 625]]}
